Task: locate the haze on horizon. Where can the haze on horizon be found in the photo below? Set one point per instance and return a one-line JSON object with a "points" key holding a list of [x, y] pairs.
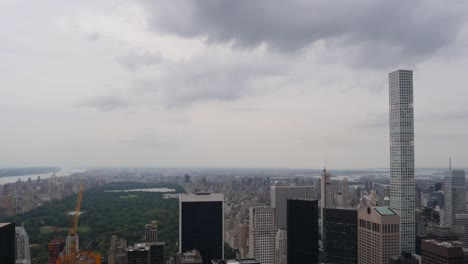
{"points": [[228, 83]]}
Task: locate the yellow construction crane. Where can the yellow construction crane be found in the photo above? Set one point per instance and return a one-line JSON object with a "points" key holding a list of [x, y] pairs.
{"points": [[70, 251]]}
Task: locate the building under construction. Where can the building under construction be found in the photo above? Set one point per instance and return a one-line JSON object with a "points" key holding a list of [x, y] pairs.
{"points": [[71, 253]]}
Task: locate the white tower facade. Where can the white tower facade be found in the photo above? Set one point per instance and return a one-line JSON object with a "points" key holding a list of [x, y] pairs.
{"points": [[402, 185], [262, 234], [22, 246]]}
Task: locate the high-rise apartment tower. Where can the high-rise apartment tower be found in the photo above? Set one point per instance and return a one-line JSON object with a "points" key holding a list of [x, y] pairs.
{"points": [[402, 185]]}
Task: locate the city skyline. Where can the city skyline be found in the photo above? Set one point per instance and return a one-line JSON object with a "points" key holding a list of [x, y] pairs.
{"points": [[131, 84]]}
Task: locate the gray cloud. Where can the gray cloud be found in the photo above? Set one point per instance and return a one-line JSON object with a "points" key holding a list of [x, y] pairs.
{"points": [[135, 61], [202, 79], [384, 31], [104, 103]]}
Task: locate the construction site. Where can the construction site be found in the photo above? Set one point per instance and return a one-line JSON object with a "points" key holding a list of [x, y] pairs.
{"points": [[67, 251]]}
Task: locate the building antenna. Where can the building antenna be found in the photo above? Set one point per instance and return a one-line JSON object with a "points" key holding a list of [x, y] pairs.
{"points": [[450, 163]]}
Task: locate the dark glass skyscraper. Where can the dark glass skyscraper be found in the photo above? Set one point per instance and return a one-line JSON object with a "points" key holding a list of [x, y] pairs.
{"points": [[303, 231], [201, 225], [340, 238], [7, 243]]}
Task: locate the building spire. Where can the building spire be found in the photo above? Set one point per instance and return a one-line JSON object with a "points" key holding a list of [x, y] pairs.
{"points": [[450, 163]]}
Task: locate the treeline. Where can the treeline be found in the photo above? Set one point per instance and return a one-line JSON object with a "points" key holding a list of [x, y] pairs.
{"points": [[26, 171], [105, 214]]}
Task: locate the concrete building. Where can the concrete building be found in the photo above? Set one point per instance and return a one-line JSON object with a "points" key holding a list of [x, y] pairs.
{"points": [[151, 232], [378, 235], [117, 251], [201, 225], [22, 246], [280, 194], [340, 240], [281, 247], [454, 196], [402, 184], [262, 234], [303, 231], [7, 243], [437, 252], [189, 257], [243, 240]]}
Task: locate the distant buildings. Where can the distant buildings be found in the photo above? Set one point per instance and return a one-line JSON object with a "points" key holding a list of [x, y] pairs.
{"points": [[303, 231], [340, 240], [7, 243], [201, 225], [151, 232], [437, 252], [280, 194], [378, 235], [262, 234], [402, 185], [22, 246]]}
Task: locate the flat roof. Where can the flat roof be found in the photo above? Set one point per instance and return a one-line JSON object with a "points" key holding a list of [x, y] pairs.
{"points": [[4, 224], [384, 210], [201, 197]]}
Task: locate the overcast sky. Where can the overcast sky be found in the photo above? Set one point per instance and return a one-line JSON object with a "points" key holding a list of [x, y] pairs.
{"points": [[245, 83]]}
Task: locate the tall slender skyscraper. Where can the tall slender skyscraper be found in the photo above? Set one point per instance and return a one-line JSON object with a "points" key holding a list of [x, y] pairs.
{"points": [[402, 187], [201, 225]]}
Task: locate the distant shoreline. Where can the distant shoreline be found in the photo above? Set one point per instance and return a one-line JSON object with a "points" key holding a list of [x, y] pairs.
{"points": [[13, 172]]}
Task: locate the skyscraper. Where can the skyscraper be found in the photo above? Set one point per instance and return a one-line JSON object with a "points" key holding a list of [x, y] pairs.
{"points": [[378, 235], [326, 199], [280, 194], [7, 243], [117, 254], [22, 246], [340, 235], [201, 225], [262, 234], [454, 195], [402, 186], [142, 253], [303, 231], [281, 247], [151, 232]]}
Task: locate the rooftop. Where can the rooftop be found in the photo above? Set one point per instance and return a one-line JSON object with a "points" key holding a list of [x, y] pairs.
{"points": [[384, 210], [235, 261]]}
